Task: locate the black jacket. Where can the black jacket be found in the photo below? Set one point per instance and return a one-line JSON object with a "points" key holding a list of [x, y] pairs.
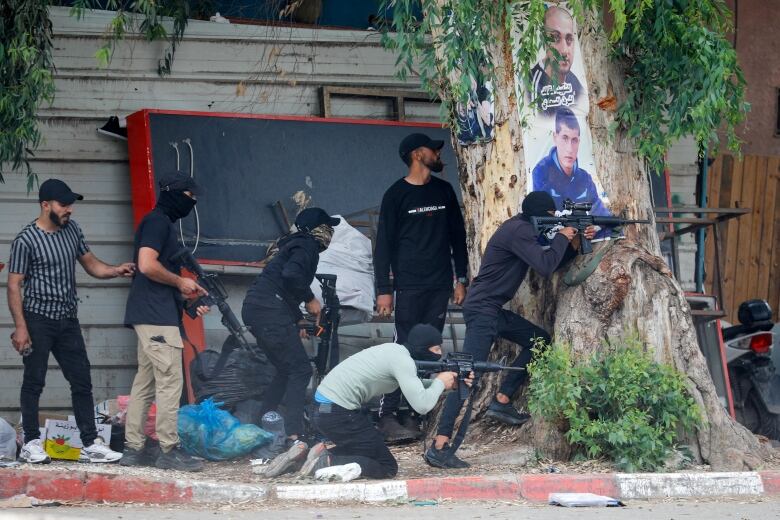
{"points": [[289, 274], [512, 249]]}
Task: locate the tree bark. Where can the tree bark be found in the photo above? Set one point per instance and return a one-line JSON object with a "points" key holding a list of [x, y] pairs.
{"points": [[632, 289]]}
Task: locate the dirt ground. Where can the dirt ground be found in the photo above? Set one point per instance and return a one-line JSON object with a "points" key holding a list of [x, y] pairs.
{"points": [[411, 464]]}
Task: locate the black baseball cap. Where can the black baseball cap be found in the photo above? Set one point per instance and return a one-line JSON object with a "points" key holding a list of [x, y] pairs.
{"points": [[414, 141], [310, 218], [179, 182], [55, 189]]}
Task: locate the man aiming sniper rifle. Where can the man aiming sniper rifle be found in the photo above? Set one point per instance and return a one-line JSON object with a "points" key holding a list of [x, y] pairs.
{"points": [[576, 215]]}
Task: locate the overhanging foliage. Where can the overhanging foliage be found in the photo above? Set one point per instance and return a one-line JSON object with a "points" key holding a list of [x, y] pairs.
{"points": [[681, 72]]}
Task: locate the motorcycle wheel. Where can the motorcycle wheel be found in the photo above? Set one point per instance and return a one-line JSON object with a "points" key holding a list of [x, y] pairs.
{"points": [[767, 424]]}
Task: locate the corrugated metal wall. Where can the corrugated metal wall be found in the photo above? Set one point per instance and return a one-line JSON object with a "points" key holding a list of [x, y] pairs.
{"points": [[220, 68]]}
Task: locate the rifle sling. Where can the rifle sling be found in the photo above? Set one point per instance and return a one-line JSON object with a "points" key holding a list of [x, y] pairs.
{"points": [[574, 277], [227, 349], [464, 423]]}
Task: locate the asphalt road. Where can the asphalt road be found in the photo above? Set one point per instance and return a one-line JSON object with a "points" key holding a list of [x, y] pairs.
{"points": [[722, 509]]}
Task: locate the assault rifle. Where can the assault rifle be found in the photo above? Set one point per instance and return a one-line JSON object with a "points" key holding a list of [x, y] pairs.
{"points": [[217, 296], [578, 217], [327, 330], [462, 364]]}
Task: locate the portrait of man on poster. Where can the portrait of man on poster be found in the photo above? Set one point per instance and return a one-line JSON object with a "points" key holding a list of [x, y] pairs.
{"points": [[553, 83]]}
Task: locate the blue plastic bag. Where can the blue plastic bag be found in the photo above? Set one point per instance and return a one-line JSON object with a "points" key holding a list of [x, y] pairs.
{"points": [[207, 431]]}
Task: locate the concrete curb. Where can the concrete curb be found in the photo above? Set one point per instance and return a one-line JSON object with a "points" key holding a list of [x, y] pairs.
{"points": [[101, 487]]}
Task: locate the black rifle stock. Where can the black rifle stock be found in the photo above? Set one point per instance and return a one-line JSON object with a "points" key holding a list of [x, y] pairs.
{"points": [[580, 219], [462, 364], [217, 296]]}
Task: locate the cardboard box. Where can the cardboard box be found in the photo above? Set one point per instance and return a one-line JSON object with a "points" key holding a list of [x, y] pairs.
{"points": [[63, 439]]}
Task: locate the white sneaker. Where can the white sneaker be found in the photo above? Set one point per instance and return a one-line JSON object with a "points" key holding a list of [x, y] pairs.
{"points": [[343, 473], [34, 453], [99, 452]]}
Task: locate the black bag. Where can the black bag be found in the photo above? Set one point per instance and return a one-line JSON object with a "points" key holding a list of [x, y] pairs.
{"points": [[235, 374]]}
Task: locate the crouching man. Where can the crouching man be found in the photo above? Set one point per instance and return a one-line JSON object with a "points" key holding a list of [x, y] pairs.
{"points": [[362, 377]]}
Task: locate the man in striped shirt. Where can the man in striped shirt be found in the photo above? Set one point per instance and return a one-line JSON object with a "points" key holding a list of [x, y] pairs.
{"points": [[43, 304]]}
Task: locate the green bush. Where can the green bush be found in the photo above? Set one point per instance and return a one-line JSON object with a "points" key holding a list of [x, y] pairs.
{"points": [[616, 403]]}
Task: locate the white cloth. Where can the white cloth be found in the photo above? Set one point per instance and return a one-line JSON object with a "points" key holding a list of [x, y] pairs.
{"points": [[349, 257]]}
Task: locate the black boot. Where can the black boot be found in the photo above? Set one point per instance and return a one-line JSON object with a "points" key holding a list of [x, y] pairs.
{"points": [[443, 458], [145, 457], [506, 413], [178, 460]]}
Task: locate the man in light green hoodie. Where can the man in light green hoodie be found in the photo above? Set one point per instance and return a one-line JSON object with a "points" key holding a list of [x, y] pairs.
{"points": [[358, 379]]}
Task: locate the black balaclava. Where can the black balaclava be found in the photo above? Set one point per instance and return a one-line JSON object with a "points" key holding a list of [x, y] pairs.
{"points": [[538, 204], [175, 204], [420, 339]]}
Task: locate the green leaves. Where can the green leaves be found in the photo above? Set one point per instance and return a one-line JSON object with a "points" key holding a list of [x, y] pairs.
{"points": [[682, 76], [616, 403], [25, 80], [144, 16]]}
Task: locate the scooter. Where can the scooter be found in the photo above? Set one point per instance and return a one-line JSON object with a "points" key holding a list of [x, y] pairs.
{"points": [[755, 383]]}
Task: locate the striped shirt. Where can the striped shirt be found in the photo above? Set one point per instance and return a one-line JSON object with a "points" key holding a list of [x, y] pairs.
{"points": [[48, 263]]}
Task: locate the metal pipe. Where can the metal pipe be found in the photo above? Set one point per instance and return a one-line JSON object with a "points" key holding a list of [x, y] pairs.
{"points": [[700, 236]]}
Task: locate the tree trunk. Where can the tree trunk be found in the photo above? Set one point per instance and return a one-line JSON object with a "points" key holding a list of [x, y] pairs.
{"points": [[632, 289]]}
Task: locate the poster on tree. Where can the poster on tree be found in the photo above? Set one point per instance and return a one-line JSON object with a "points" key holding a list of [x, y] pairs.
{"points": [[476, 117], [557, 141]]}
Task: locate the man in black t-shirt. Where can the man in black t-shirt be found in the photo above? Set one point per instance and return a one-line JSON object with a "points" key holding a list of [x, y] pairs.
{"points": [[420, 235], [154, 308]]}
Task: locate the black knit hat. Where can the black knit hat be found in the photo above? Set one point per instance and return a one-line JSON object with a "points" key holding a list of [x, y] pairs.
{"points": [[538, 204]]}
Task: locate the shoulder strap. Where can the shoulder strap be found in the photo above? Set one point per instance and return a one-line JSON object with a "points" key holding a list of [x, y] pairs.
{"points": [[227, 348], [576, 277], [464, 423]]}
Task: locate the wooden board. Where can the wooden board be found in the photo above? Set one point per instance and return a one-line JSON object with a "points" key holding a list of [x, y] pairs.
{"points": [[750, 245]]}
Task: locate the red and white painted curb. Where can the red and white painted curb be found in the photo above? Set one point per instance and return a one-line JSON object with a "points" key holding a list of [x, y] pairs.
{"points": [[101, 487]]}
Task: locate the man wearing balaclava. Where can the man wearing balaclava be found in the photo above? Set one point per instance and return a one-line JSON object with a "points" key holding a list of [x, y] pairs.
{"points": [[510, 252], [154, 310], [357, 380], [271, 311]]}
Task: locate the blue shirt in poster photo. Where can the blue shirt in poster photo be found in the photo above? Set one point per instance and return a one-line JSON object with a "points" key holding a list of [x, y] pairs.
{"points": [[578, 186]]}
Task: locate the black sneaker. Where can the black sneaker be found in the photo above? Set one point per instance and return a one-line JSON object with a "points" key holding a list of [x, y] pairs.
{"points": [[179, 460], [443, 458], [393, 431], [112, 129], [506, 413], [145, 457]]}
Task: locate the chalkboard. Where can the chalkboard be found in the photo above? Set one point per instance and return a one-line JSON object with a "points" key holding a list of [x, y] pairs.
{"points": [[248, 166]]}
